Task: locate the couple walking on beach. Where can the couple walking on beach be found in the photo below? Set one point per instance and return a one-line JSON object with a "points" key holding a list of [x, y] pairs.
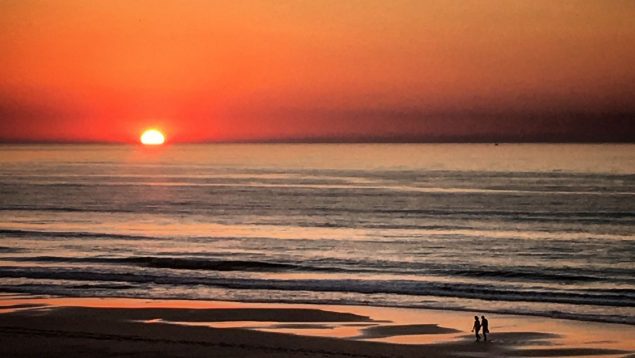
{"points": [[484, 324]]}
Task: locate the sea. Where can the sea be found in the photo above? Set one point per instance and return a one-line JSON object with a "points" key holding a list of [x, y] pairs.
{"points": [[535, 229]]}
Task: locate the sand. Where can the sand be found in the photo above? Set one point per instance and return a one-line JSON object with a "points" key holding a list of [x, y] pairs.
{"points": [[107, 327]]}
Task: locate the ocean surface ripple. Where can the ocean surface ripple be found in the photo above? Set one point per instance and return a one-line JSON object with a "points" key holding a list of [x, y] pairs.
{"points": [[533, 229]]}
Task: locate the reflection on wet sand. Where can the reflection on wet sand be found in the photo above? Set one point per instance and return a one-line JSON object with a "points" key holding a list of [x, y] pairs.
{"points": [[450, 329]]}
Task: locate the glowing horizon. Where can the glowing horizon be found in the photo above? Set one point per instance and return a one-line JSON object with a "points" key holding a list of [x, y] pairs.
{"points": [[326, 71]]}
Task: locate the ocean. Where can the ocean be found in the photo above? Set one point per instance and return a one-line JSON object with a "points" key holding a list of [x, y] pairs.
{"points": [[538, 229]]}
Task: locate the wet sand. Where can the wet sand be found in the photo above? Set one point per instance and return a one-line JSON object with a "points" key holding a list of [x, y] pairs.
{"points": [[107, 327]]}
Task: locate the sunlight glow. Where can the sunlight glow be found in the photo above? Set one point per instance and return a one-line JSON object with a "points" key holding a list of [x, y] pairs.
{"points": [[152, 137]]}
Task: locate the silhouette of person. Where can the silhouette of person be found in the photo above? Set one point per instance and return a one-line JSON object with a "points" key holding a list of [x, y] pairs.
{"points": [[485, 325], [476, 328]]}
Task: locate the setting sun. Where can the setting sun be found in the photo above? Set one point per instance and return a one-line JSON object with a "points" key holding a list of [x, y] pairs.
{"points": [[152, 137]]}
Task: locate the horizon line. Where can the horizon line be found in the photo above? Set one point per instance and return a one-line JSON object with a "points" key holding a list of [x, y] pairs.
{"points": [[314, 141]]}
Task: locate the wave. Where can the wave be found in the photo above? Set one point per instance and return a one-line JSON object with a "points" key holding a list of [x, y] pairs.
{"points": [[526, 274], [180, 263], [66, 209], [142, 291], [614, 218], [604, 297], [10, 250], [324, 183], [532, 275], [72, 234]]}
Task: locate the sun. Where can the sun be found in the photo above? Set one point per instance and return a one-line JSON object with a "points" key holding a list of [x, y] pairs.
{"points": [[152, 137]]}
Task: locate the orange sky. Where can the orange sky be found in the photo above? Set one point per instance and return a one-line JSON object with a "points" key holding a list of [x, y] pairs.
{"points": [[264, 70]]}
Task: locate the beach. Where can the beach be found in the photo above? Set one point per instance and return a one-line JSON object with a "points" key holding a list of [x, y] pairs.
{"points": [[108, 327]]}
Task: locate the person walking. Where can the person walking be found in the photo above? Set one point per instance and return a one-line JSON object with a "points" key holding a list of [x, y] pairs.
{"points": [[485, 326], [476, 328]]}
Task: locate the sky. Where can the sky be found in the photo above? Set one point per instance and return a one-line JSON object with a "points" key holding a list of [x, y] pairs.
{"points": [[328, 70]]}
